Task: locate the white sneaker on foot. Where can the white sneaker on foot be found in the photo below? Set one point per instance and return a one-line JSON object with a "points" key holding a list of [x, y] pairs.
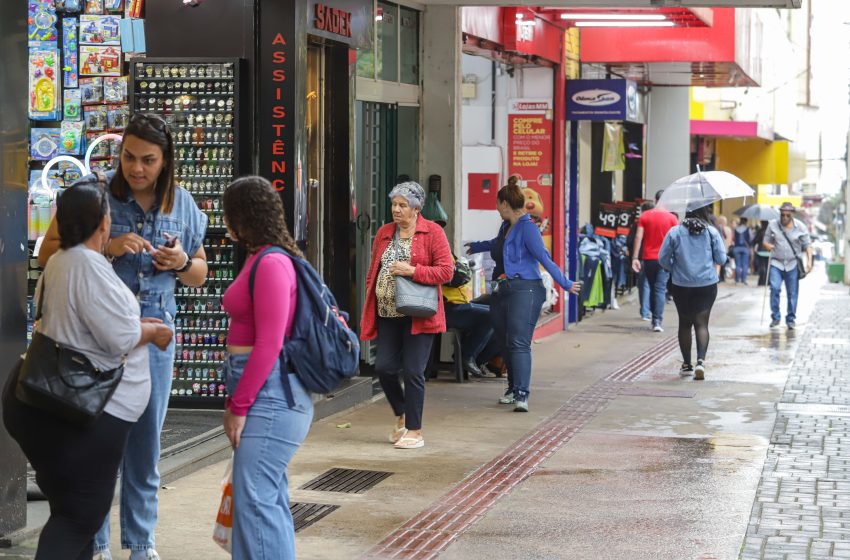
{"points": [[146, 554], [657, 328], [102, 555]]}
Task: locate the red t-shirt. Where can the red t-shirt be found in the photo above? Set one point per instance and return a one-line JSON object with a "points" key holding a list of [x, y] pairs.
{"points": [[655, 223]]}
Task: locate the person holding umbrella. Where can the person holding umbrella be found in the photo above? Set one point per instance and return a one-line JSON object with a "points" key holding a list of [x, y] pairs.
{"points": [[761, 213], [786, 239]]}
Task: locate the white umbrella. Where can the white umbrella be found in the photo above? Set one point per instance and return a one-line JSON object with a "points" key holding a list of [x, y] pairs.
{"points": [[702, 189]]}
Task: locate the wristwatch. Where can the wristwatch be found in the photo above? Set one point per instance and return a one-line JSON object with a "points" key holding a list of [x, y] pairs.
{"points": [[186, 266]]}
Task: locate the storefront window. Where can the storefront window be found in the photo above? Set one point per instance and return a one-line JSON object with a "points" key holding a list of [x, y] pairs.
{"points": [[409, 45], [387, 44]]}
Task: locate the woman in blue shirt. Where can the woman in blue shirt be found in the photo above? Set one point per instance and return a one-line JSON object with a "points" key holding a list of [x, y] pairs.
{"points": [[157, 237], [519, 297], [691, 252]]}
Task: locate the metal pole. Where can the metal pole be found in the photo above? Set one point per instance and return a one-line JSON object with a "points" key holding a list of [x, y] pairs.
{"points": [[766, 288]]}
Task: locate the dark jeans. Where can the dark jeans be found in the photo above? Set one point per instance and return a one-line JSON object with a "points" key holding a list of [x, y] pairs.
{"points": [[515, 309], [76, 468], [474, 320], [761, 268], [402, 354], [742, 263], [776, 277], [657, 278]]}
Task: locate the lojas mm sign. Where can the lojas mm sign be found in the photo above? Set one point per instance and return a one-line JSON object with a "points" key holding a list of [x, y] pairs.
{"points": [[597, 100]]}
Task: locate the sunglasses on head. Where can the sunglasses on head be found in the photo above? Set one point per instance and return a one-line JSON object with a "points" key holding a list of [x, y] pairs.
{"points": [[154, 120]]}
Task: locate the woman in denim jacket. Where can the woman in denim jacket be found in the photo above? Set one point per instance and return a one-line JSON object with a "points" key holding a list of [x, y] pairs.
{"points": [[149, 212]]}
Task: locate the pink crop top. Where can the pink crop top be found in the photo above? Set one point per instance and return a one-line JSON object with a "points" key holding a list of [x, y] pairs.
{"points": [[261, 325]]}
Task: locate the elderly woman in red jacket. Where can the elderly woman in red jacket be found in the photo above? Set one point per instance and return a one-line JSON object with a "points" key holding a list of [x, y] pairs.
{"points": [[404, 343]]}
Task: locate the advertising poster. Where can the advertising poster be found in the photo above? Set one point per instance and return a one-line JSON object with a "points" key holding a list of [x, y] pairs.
{"points": [[530, 158]]}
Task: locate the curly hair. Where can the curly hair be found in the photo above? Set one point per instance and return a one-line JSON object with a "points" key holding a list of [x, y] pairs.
{"points": [[254, 211]]}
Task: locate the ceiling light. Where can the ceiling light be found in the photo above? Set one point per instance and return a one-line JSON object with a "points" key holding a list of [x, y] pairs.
{"points": [[625, 24], [615, 17]]}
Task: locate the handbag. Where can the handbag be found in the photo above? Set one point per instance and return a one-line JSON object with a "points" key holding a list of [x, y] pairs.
{"points": [[412, 298], [462, 273], [61, 381], [801, 264]]}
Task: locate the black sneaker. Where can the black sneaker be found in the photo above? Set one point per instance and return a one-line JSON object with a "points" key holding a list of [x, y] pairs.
{"points": [[774, 323], [686, 369]]}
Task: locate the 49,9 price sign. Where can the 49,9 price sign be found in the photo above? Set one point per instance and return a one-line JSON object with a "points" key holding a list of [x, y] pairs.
{"points": [[615, 218]]}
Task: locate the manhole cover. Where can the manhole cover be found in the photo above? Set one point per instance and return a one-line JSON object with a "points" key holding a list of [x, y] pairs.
{"points": [[351, 481], [304, 515]]}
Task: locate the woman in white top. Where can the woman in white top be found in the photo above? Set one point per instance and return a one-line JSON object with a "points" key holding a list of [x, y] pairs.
{"points": [[88, 308]]}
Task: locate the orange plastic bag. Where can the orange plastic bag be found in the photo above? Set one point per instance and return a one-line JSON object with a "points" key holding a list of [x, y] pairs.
{"points": [[224, 519]]}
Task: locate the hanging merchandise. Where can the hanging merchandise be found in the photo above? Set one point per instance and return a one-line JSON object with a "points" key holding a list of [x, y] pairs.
{"points": [[71, 138], [95, 117], [70, 66], [71, 106], [44, 143], [44, 83], [100, 30], [117, 117], [135, 8], [42, 19], [613, 151], [91, 90], [113, 5], [94, 6], [68, 6], [100, 61], [115, 89]]}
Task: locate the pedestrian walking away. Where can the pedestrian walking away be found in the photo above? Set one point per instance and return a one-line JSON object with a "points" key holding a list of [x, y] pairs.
{"points": [[762, 255], [156, 238], [743, 239], [87, 308], [415, 248], [653, 225], [520, 293], [269, 412], [786, 239], [691, 252]]}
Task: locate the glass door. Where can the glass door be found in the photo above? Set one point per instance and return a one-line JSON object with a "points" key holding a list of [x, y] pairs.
{"points": [[315, 156]]}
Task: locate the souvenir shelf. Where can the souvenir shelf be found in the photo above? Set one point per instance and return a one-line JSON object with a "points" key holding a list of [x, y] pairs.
{"points": [[199, 99]]}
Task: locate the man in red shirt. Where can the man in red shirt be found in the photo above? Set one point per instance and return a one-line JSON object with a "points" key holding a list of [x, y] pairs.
{"points": [[652, 228]]}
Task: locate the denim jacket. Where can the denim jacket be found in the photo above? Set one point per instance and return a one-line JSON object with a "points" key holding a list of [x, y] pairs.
{"points": [[155, 289]]}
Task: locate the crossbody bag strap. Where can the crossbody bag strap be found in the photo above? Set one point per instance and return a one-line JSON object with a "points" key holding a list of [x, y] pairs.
{"points": [[39, 308], [788, 239]]}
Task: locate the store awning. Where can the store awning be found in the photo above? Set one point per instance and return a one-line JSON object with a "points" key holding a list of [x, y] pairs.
{"points": [[725, 129], [761, 162]]}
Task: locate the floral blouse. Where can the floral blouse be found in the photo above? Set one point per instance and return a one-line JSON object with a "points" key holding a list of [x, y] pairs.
{"points": [[385, 287]]}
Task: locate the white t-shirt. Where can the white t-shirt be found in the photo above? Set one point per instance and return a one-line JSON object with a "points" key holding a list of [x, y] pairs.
{"points": [[89, 309]]}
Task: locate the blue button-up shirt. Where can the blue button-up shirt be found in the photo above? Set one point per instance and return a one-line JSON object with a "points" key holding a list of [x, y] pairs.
{"points": [[155, 289]]}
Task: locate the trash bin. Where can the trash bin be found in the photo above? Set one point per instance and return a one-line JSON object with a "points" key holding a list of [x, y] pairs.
{"points": [[835, 272]]}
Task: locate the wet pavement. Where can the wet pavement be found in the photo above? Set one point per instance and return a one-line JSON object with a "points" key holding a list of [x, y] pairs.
{"points": [[618, 458]]}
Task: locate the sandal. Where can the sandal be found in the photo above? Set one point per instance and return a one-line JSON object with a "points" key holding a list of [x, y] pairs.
{"points": [[410, 443], [397, 434]]}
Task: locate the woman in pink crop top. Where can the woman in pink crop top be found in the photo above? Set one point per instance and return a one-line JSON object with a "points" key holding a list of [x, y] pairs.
{"points": [[263, 428]]}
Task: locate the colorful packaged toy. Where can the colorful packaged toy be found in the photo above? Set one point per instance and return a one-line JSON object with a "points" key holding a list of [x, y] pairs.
{"points": [[70, 66], [101, 150], [100, 61], [115, 89], [44, 143], [66, 173], [71, 138], [41, 21], [44, 83], [113, 5], [91, 91], [94, 6], [100, 30], [118, 116], [95, 117], [71, 106], [68, 6]]}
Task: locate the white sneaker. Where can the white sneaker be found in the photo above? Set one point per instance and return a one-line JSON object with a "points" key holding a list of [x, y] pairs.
{"points": [[657, 328], [147, 554], [103, 555]]}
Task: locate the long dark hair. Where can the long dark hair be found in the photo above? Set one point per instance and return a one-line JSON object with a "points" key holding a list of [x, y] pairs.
{"points": [[703, 214], [80, 211], [254, 211], [150, 128], [512, 194]]}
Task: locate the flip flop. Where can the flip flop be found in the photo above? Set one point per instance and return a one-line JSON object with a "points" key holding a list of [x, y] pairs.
{"points": [[397, 434], [410, 443]]}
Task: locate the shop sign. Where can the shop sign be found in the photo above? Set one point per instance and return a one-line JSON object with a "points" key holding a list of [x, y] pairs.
{"points": [[614, 218], [597, 100], [347, 21], [530, 158]]}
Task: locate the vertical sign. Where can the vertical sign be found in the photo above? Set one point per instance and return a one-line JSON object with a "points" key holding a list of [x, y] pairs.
{"points": [[277, 91], [530, 158]]}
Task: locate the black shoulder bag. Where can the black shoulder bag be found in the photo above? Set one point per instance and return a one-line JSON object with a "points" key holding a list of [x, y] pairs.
{"points": [[801, 264], [61, 381]]}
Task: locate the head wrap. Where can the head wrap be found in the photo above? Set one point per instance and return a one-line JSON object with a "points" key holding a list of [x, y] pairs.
{"points": [[412, 191], [695, 226]]}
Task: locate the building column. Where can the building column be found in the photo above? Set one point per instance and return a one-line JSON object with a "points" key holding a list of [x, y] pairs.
{"points": [[668, 138], [440, 115]]}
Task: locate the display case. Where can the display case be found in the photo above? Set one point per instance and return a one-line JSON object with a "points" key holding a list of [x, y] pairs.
{"points": [[200, 100]]}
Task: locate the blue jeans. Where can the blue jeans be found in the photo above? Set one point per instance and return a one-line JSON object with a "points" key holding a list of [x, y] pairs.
{"points": [[262, 523], [742, 263], [139, 480], [474, 320], [515, 314], [792, 283], [643, 294], [657, 279]]}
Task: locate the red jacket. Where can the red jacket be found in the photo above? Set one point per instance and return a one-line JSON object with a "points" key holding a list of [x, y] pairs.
{"points": [[431, 256]]}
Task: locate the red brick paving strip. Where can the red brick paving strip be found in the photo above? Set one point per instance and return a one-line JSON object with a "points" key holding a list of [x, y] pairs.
{"points": [[432, 530]]}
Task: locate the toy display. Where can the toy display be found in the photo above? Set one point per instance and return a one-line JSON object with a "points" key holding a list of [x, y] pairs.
{"points": [[115, 89], [101, 150], [44, 143], [70, 66], [44, 83], [71, 106], [113, 5], [71, 138], [94, 6], [135, 8], [100, 61], [41, 22], [117, 117], [91, 90], [68, 6], [95, 117], [100, 30]]}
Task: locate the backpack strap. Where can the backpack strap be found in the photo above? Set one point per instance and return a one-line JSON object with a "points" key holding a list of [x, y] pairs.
{"points": [[287, 386]]}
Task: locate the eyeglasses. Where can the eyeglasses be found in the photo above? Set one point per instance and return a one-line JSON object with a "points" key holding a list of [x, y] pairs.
{"points": [[154, 120], [785, 214]]}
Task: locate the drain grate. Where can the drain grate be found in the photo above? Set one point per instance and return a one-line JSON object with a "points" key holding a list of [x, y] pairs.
{"points": [[350, 481], [304, 514]]}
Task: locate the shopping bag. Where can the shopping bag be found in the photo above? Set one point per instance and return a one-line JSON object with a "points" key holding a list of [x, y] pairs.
{"points": [[224, 519]]}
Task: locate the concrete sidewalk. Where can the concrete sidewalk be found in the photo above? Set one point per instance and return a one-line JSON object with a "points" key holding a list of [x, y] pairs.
{"points": [[662, 467]]}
